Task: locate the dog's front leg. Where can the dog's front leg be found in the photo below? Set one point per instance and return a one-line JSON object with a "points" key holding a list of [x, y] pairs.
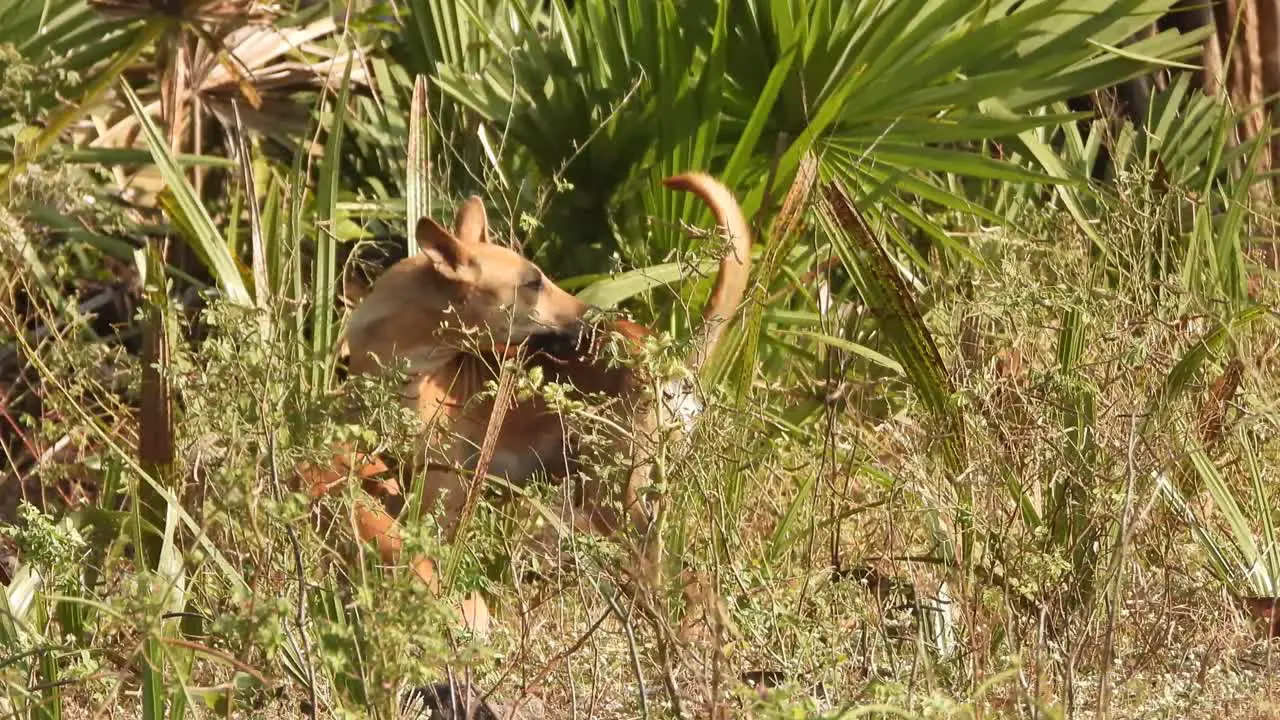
{"points": [[644, 506], [444, 495], [617, 493], [374, 524]]}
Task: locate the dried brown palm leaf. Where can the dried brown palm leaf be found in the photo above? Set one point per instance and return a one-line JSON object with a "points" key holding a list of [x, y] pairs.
{"points": [[259, 57], [1214, 411], [207, 12], [262, 65]]}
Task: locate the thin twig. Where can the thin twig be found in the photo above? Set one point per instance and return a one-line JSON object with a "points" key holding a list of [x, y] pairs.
{"points": [[213, 652], [501, 403], [300, 620], [635, 657], [556, 660], [1122, 544]]}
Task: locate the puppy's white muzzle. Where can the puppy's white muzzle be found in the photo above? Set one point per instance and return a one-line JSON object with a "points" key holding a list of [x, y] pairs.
{"points": [[681, 401]]}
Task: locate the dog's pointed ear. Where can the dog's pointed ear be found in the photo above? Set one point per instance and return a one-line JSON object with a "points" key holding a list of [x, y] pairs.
{"points": [[470, 223], [444, 250]]}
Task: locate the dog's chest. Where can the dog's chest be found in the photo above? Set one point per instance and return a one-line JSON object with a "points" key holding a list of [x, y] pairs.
{"points": [[531, 439], [531, 442]]}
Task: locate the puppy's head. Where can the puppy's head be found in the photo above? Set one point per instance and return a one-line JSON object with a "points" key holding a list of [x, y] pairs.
{"points": [[495, 290]]}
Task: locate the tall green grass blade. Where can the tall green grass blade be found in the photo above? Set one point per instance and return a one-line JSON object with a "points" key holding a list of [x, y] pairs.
{"points": [[296, 232], [782, 236], [1143, 58], [324, 278], [1262, 504], [417, 206], [348, 683], [156, 443], [1200, 264], [1254, 567], [784, 535], [1232, 281], [153, 694], [19, 599], [853, 348], [1219, 554], [16, 603], [824, 116], [1071, 527], [170, 567], [1053, 165], [257, 237], [171, 577], [753, 130], [608, 293], [49, 706], [883, 289], [203, 234], [273, 239], [132, 157], [291, 659]]}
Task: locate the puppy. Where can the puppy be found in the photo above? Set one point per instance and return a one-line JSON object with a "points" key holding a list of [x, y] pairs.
{"points": [[461, 304]]}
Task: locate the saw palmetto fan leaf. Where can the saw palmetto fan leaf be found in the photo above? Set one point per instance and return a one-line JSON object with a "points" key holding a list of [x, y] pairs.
{"points": [[891, 98]]}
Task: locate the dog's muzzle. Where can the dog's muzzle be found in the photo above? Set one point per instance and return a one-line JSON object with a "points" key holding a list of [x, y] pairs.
{"points": [[573, 341], [562, 343]]}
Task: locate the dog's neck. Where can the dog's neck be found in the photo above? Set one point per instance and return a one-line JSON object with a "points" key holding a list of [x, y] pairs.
{"points": [[442, 373], [381, 334]]}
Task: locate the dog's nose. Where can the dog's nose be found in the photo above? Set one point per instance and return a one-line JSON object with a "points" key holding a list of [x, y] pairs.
{"points": [[562, 341], [564, 345]]}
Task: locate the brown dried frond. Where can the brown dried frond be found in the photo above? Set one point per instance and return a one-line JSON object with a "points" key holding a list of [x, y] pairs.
{"points": [[1214, 411], [207, 12]]}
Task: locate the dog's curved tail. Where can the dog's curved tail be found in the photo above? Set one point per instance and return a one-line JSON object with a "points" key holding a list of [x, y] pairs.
{"points": [[735, 265]]}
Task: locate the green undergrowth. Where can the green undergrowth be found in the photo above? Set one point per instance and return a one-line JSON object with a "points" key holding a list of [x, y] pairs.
{"points": [[1105, 572]]}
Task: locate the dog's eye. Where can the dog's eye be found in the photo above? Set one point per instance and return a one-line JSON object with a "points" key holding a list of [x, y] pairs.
{"points": [[533, 282]]}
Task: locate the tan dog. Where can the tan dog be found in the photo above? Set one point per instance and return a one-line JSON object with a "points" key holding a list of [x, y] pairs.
{"points": [[462, 302]]}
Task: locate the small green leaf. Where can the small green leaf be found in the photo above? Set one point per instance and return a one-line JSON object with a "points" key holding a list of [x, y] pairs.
{"points": [[851, 347]]}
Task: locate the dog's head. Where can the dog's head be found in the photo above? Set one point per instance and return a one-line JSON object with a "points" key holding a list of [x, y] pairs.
{"points": [[482, 287]]}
